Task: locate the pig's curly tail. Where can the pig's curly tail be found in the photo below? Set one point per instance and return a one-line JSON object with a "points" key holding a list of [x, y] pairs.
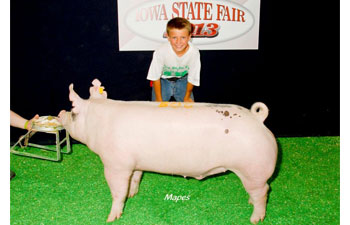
{"points": [[260, 110]]}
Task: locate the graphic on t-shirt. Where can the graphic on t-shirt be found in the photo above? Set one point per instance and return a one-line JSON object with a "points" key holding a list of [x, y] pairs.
{"points": [[175, 71]]}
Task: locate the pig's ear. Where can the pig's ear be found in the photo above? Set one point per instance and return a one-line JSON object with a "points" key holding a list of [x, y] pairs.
{"points": [[75, 99], [97, 91], [96, 82]]}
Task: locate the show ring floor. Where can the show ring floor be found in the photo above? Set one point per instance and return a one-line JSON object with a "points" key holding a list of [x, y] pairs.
{"points": [[305, 189]]}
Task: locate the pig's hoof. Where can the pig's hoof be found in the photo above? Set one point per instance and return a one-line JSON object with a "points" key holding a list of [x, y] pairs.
{"points": [[256, 218], [131, 195], [111, 217], [109, 220], [133, 191]]}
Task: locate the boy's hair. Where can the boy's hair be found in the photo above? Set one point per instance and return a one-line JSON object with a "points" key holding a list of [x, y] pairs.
{"points": [[179, 23]]}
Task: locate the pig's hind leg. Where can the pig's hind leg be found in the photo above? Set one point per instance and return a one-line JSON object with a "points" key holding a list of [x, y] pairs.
{"points": [[257, 191], [134, 183], [118, 182]]}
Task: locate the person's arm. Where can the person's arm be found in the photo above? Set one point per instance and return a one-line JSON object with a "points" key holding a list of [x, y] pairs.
{"points": [[189, 89], [18, 121], [193, 75], [157, 90], [154, 74]]}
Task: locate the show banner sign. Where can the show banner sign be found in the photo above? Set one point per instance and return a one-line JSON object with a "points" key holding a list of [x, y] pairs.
{"points": [[220, 24]]}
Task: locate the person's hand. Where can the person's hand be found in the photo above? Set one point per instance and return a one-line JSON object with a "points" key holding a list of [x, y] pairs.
{"points": [[159, 99], [29, 123], [189, 99]]}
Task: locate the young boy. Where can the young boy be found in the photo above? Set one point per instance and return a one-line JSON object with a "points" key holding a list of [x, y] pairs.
{"points": [[175, 67]]}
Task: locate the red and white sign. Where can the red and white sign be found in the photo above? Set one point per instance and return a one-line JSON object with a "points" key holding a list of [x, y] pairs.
{"points": [[220, 24]]}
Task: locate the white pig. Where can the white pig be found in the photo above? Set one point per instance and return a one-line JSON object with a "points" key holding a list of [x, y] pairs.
{"points": [[135, 136]]}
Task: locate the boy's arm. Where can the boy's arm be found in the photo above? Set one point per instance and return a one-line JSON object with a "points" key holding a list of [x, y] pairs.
{"points": [[188, 93], [157, 90]]}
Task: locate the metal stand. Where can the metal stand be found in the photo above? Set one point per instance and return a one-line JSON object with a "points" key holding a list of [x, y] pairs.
{"points": [[26, 144]]}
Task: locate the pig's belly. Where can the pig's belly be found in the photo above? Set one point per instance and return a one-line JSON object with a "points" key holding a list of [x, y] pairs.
{"points": [[187, 166], [195, 152], [185, 160]]}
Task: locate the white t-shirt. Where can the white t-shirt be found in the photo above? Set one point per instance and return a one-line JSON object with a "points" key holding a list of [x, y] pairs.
{"points": [[166, 64]]}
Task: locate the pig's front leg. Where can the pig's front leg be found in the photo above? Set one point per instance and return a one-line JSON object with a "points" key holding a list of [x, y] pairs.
{"points": [[134, 183], [118, 182]]}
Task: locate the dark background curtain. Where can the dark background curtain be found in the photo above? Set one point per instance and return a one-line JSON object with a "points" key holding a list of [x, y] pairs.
{"points": [[295, 72]]}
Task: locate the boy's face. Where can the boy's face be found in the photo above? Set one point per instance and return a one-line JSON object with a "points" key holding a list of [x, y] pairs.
{"points": [[179, 39]]}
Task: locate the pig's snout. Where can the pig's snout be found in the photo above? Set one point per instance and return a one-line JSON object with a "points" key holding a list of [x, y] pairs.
{"points": [[62, 113], [61, 116]]}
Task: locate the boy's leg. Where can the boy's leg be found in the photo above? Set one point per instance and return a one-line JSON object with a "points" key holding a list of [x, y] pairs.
{"points": [[180, 90], [165, 89]]}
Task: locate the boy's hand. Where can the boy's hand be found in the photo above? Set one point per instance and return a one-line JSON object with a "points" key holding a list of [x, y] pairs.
{"points": [[189, 89], [188, 99]]}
